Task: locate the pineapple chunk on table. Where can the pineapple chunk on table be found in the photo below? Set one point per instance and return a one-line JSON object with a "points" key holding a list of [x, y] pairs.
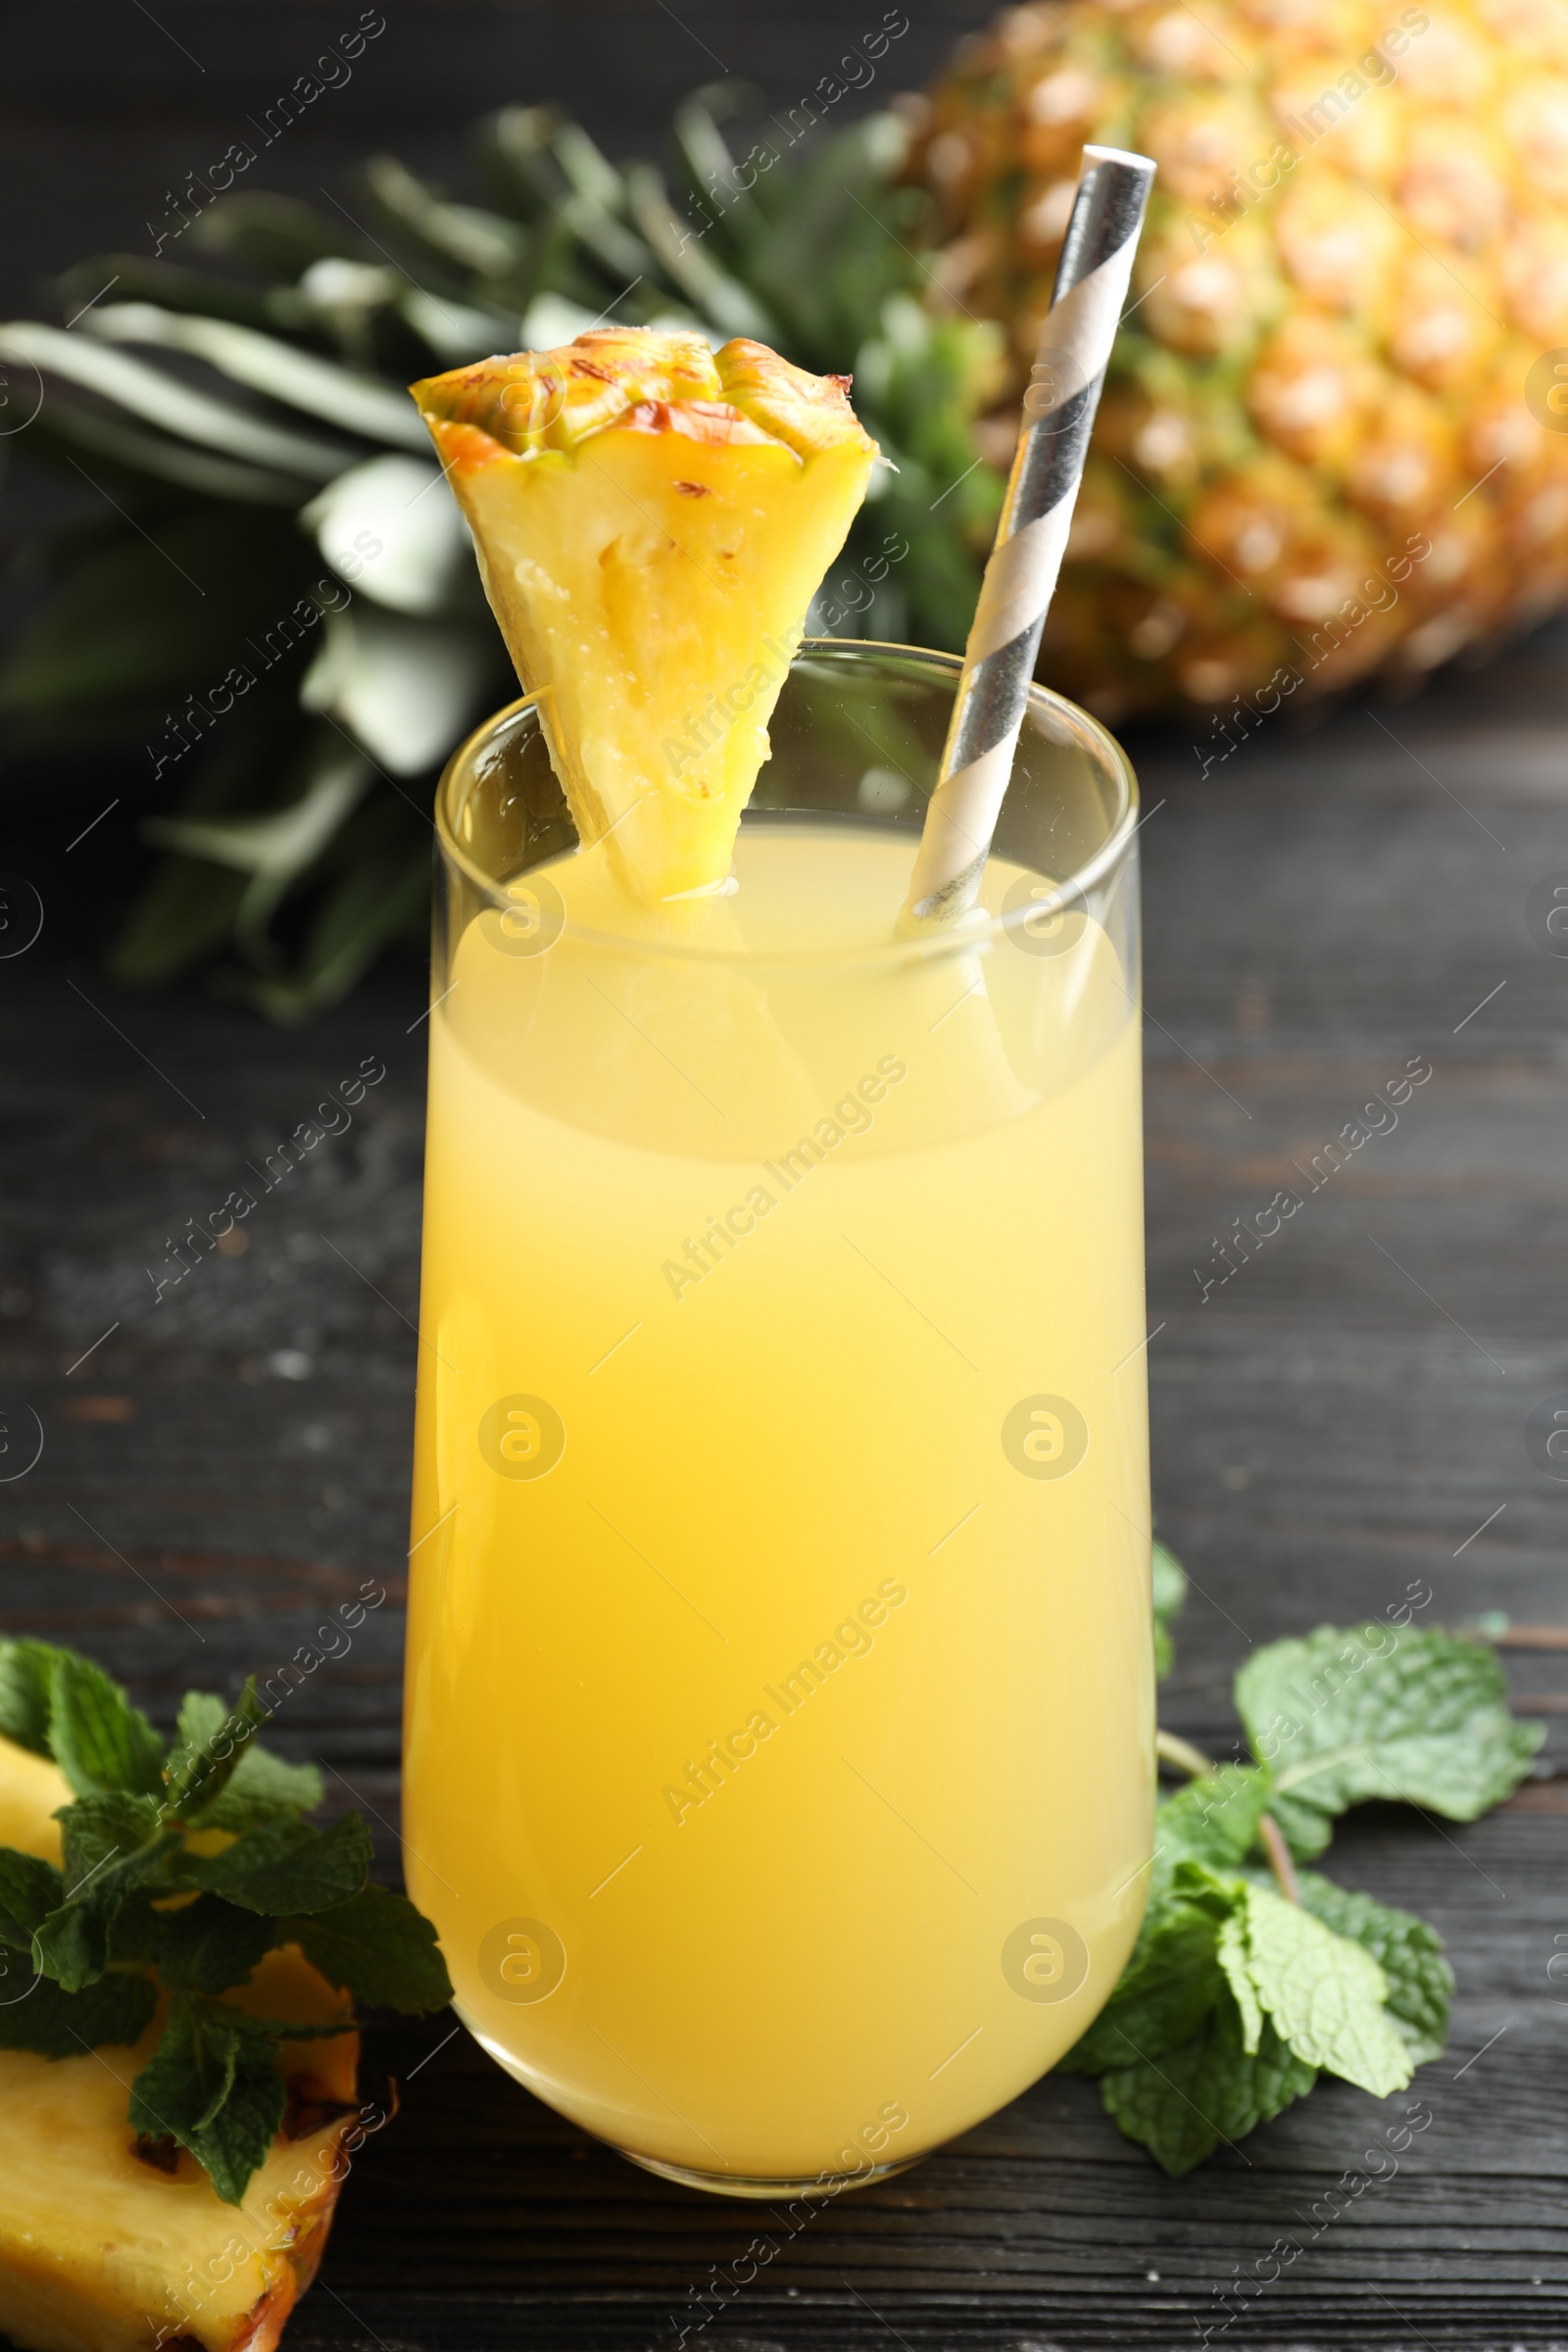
{"points": [[105, 2249]]}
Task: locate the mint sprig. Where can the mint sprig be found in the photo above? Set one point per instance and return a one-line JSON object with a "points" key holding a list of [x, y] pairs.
{"points": [[140, 1913], [1251, 1977]]}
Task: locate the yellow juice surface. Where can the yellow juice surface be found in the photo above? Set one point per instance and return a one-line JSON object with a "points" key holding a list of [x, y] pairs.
{"points": [[780, 1722]]}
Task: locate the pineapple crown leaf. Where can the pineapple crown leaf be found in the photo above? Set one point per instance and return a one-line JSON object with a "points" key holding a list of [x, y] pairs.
{"points": [[139, 1912]]}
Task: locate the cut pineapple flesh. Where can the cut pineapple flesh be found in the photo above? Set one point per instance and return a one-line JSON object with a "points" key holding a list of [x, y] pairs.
{"points": [[105, 2249], [31, 1793], [652, 522]]}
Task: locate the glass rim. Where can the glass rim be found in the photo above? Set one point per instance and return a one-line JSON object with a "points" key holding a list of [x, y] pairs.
{"points": [[1071, 892]]}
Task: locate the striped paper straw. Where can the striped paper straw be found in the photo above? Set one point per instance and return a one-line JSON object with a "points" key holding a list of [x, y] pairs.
{"points": [[999, 660]]}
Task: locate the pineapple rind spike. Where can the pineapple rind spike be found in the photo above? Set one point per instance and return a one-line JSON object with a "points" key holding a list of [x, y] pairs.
{"points": [[1354, 270]]}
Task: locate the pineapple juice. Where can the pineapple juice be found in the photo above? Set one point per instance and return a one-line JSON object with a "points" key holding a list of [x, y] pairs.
{"points": [[779, 1749]]}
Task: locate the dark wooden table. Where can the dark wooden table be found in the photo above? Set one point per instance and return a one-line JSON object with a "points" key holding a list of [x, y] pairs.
{"points": [[1346, 1414]]}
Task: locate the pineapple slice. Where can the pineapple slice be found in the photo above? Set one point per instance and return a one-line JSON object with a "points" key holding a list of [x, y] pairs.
{"points": [[652, 522], [105, 2249], [31, 1793]]}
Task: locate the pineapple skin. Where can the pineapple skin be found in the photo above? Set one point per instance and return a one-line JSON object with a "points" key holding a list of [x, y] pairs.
{"points": [[1314, 457], [652, 522], [101, 2251]]}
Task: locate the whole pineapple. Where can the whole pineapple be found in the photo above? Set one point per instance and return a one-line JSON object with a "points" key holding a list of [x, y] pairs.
{"points": [[1317, 452]]}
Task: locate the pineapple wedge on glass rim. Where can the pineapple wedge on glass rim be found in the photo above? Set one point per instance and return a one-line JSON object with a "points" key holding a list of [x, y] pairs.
{"points": [[652, 520]]}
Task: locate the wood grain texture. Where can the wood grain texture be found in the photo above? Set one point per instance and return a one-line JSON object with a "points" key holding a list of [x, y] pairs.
{"points": [[1332, 1424]]}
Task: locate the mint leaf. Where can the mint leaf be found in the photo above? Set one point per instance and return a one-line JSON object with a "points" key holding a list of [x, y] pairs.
{"points": [[209, 1740], [285, 1867], [29, 1890], [213, 2084], [1170, 1593], [220, 1777], [1324, 1994], [1164, 1994], [201, 1717], [39, 2015], [71, 1945], [379, 1948], [111, 1845], [1376, 1711], [1410, 1953], [237, 2134], [100, 1742], [261, 1787], [1231, 1951], [1174, 1978], [1306, 1831], [99, 1832], [26, 1673], [1181, 2106], [1234, 1998], [138, 1931], [285, 2028], [210, 1945], [1213, 1820]]}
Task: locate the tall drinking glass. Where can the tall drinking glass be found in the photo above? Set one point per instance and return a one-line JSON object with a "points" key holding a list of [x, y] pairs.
{"points": [[780, 1703]]}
